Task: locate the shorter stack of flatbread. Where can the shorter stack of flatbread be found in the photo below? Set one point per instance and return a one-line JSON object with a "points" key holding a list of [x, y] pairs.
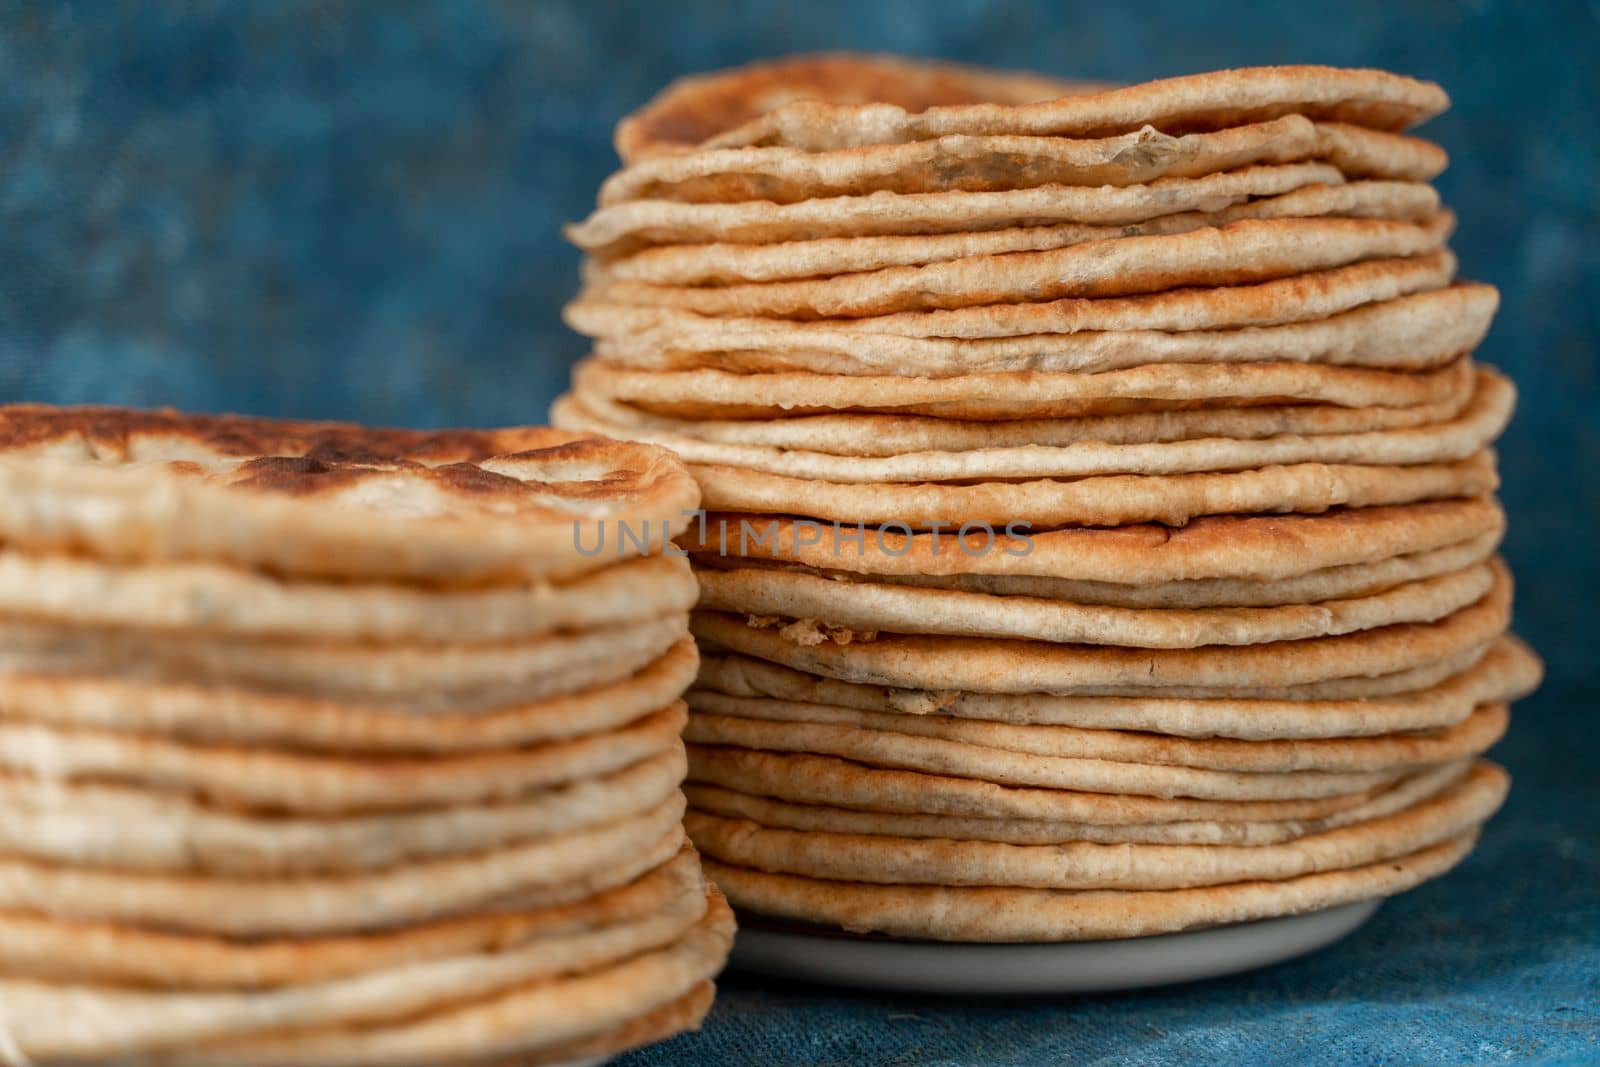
{"points": [[1102, 535], [327, 745]]}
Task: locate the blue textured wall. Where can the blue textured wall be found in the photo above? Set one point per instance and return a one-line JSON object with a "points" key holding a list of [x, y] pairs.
{"points": [[352, 209]]}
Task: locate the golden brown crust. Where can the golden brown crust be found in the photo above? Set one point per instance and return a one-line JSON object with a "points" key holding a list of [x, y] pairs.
{"points": [[819, 101], [325, 499], [696, 108], [303, 458]]}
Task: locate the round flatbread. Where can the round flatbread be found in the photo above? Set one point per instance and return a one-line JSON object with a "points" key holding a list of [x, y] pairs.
{"points": [[197, 595], [550, 871], [233, 716], [327, 499], [818, 818], [808, 779], [1095, 500], [841, 99], [325, 784], [1456, 438], [868, 606], [1045, 915], [149, 830], [623, 228], [955, 746], [528, 1018], [1459, 809], [978, 163], [1332, 583], [413, 676], [1251, 250], [1080, 774], [1412, 331], [1260, 548], [733, 264], [1508, 671], [49, 1019], [1303, 298], [985, 665], [892, 435], [66, 951], [1023, 395]]}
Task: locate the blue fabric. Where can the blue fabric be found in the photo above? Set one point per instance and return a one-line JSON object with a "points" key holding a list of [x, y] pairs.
{"points": [[352, 210]]}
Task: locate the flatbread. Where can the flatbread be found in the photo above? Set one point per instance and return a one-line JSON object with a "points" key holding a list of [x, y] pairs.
{"points": [[531, 1018], [987, 665], [1251, 250], [870, 606], [413, 676], [1417, 331], [1354, 687], [197, 595], [232, 716], [1508, 671], [325, 784], [732, 264], [75, 1021], [1015, 395], [818, 818], [1456, 438], [50, 948], [726, 98], [1004, 767], [620, 229], [140, 829], [1459, 809], [996, 162], [1261, 548], [810, 779], [1103, 500], [890, 435], [892, 739], [325, 499], [834, 100], [1335, 583], [1044, 915], [1303, 297], [547, 872]]}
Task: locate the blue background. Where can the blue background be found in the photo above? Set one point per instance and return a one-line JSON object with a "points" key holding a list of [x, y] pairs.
{"points": [[352, 210]]}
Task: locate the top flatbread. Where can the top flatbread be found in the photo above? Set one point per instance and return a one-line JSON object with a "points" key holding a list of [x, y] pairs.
{"points": [[328, 499], [694, 108], [835, 101]]}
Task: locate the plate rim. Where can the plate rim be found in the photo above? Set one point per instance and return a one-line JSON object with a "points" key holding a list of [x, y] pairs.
{"points": [[845, 960]]}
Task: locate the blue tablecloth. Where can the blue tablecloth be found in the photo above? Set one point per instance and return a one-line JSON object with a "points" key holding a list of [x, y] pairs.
{"points": [[1497, 962]]}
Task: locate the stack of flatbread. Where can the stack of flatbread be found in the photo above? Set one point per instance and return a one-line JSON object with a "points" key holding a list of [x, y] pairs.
{"points": [[329, 745], [1102, 535]]}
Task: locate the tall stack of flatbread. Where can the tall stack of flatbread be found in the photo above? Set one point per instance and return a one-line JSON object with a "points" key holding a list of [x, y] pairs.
{"points": [[327, 745], [1102, 535]]}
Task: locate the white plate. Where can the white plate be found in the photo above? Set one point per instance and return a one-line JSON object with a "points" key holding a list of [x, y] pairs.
{"points": [[836, 958]]}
